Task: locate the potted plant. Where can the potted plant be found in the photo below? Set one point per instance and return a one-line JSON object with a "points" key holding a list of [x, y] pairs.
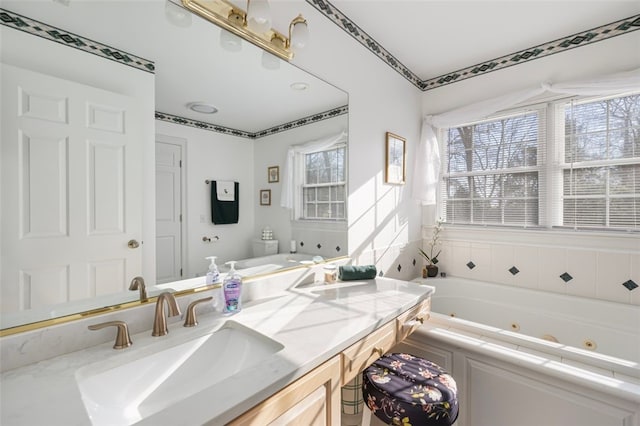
{"points": [[431, 270]]}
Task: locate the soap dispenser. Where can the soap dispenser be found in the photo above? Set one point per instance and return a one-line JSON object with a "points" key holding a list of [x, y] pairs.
{"points": [[232, 289], [213, 275]]}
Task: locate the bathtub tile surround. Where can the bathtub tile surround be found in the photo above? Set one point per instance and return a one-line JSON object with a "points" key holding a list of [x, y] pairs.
{"points": [[630, 285], [399, 262], [566, 277], [575, 385], [587, 266], [319, 239], [613, 268], [525, 258]]}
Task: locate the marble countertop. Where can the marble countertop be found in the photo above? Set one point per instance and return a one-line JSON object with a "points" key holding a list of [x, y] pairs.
{"points": [[313, 324]]}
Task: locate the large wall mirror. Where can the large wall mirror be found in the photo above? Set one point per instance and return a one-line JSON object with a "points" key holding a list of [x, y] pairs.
{"points": [[264, 105]]}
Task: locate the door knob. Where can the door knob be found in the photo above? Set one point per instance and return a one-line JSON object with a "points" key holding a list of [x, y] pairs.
{"points": [[133, 244]]}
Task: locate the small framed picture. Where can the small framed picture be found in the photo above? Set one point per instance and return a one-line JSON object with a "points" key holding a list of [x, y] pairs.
{"points": [[273, 174], [395, 170], [265, 197]]}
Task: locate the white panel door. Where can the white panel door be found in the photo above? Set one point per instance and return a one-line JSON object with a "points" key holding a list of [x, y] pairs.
{"points": [[71, 190], [168, 212]]}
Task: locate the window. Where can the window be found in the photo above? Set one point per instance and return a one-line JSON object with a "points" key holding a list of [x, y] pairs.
{"points": [[324, 187], [580, 171], [493, 171], [601, 164]]}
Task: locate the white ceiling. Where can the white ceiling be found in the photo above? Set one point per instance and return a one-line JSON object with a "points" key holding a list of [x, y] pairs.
{"points": [[433, 38], [429, 37]]}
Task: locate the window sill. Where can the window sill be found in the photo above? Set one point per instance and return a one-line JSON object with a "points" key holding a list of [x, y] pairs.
{"points": [[600, 240], [333, 224]]}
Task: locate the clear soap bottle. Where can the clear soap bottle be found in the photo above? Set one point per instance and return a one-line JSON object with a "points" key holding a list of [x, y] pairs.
{"points": [[213, 275]]}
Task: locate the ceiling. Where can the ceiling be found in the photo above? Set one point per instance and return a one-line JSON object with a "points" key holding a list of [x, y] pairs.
{"points": [[426, 37], [434, 38]]}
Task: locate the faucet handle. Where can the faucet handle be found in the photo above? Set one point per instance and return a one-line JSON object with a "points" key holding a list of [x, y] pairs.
{"points": [[191, 320], [123, 340]]}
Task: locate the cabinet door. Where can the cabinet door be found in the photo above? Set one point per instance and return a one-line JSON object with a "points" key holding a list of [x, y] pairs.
{"points": [[314, 400]]}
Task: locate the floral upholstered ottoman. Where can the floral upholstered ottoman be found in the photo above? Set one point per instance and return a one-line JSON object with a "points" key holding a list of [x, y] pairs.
{"points": [[402, 389]]}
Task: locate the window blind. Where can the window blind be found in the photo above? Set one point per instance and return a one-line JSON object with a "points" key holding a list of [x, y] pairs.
{"points": [[494, 171], [601, 164]]}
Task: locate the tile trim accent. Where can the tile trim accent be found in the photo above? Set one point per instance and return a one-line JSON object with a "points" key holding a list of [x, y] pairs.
{"points": [[580, 39], [170, 118], [48, 32]]}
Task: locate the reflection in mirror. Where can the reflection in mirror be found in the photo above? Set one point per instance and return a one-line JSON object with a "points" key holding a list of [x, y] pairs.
{"points": [[82, 151]]}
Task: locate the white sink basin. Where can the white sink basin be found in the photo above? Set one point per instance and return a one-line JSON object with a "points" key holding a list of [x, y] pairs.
{"points": [[131, 391]]}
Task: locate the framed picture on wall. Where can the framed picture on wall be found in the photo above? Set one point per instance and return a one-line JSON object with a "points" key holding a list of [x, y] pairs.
{"points": [[273, 174], [265, 197], [395, 170]]}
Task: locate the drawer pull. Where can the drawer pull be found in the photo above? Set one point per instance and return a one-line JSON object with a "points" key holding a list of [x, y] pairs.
{"points": [[420, 319], [379, 351], [413, 323]]}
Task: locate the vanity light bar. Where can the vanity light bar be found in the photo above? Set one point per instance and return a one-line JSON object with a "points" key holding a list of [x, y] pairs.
{"points": [[233, 19]]}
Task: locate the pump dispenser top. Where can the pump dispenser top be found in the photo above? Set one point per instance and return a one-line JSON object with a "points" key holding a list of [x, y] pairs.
{"points": [[213, 275]]}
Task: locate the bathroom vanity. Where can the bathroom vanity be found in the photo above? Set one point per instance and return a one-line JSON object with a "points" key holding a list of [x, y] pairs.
{"points": [[280, 360]]}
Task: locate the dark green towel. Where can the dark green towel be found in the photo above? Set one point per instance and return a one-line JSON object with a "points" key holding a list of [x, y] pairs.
{"points": [[350, 272]]}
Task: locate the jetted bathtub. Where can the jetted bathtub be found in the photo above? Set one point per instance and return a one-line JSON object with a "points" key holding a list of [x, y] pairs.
{"points": [[523, 357]]}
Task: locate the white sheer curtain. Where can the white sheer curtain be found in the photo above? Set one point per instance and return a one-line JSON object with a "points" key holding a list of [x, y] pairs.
{"points": [[425, 184], [288, 184]]}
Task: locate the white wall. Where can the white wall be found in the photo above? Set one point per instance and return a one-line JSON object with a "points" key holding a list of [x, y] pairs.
{"points": [[384, 223], [598, 263], [214, 156]]}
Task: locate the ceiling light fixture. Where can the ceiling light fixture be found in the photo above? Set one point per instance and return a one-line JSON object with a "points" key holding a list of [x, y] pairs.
{"points": [[254, 25], [202, 107], [299, 86]]}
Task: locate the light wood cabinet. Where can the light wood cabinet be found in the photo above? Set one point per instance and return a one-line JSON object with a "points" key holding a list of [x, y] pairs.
{"points": [[362, 354], [312, 400], [408, 322]]}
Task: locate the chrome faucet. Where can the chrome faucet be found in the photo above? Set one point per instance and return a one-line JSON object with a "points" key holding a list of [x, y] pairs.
{"points": [[160, 321], [138, 284]]}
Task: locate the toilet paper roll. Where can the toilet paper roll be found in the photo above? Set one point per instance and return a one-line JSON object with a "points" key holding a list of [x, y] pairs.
{"points": [[293, 246]]}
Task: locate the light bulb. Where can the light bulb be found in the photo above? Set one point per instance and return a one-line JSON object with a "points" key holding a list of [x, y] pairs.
{"points": [[299, 35], [229, 41], [259, 16], [177, 15], [269, 61]]}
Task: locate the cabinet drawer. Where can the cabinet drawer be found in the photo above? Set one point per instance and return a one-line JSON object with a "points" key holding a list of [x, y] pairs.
{"points": [[408, 322], [360, 355]]}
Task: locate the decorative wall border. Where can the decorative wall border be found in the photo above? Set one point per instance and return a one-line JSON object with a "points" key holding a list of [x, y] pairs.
{"points": [[48, 32], [583, 38], [351, 28], [170, 118]]}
